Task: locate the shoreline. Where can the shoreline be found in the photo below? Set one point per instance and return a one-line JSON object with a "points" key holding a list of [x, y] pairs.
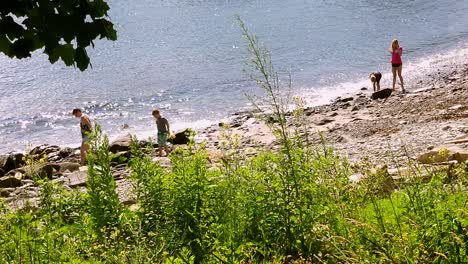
{"points": [[384, 132], [431, 82]]}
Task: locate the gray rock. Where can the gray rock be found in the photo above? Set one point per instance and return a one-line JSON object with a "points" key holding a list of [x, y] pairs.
{"points": [[121, 144], [324, 121], [68, 166], [463, 129], [44, 150], [455, 107], [10, 182], [344, 100], [75, 179]]}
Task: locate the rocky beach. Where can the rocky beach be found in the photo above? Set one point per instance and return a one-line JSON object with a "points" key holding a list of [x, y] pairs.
{"points": [[387, 131]]}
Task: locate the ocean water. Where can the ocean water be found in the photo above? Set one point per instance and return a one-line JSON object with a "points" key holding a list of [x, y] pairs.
{"points": [[187, 58]]}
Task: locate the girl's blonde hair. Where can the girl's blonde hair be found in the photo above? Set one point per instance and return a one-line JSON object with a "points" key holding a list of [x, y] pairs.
{"points": [[394, 45]]}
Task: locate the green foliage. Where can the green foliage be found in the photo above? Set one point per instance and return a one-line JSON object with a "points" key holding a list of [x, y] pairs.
{"points": [[64, 29], [295, 205], [103, 202]]}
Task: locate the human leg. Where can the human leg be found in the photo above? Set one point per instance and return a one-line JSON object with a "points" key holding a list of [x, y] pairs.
{"points": [[401, 77], [83, 152], [394, 72]]}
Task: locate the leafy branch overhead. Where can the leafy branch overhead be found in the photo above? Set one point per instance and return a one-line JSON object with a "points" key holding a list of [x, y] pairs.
{"points": [[63, 28]]}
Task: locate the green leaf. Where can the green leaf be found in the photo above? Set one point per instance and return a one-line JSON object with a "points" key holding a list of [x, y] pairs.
{"points": [[81, 58]]}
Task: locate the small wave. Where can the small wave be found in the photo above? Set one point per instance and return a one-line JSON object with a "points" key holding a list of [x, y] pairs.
{"points": [[413, 72]]}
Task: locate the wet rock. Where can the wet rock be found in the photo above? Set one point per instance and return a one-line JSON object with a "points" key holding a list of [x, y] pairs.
{"points": [[10, 182], [382, 94], [364, 89], [11, 161], [181, 138], [121, 144]]}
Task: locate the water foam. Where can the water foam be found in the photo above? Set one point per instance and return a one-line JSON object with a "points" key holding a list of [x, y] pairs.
{"points": [[413, 72]]}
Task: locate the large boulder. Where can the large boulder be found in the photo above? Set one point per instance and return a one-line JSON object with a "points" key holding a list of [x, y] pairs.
{"points": [[382, 94], [10, 182], [11, 161], [443, 154], [121, 144], [181, 138]]}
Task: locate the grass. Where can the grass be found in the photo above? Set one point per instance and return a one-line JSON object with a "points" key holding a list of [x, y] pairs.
{"points": [[295, 205]]}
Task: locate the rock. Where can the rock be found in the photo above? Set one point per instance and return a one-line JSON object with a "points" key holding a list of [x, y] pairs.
{"points": [[364, 89], [40, 170], [344, 100], [120, 157], [121, 144], [44, 150], [463, 129], [343, 139], [324, 121], [455, 107], [11, 162], [382, 94], [403, 122], [421, 90], [10, 182], [75, 179], [5, 192], [333, 114], [66, 152], [445, 128], [181, 138], [68, 167], [355, 108], [443, 154]]}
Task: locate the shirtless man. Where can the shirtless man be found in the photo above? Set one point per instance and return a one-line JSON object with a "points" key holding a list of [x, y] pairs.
{"points": [[86, 128]]}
